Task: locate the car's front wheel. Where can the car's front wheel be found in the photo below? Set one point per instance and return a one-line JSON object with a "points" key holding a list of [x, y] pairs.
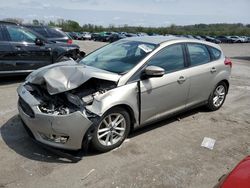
{"points": [[112, 130], [217, 97]]}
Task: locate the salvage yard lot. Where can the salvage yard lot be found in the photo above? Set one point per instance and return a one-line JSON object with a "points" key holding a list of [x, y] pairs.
{"points": [[165, 154]]}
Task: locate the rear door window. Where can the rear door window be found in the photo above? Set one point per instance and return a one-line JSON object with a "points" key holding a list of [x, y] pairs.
{"points": [[198, 54]]}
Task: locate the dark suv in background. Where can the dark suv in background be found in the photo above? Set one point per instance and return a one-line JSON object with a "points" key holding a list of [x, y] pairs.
{"points": [[23, 50], [51, 34]]}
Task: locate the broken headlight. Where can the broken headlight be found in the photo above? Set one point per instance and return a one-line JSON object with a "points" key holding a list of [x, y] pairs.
{"points": [[88, 99]]}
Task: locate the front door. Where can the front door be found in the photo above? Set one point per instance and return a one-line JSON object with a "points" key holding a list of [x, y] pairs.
{"points": [[168, 94], [6, 53], [27, 55]]}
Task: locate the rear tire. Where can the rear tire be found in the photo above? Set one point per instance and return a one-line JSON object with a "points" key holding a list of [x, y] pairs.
{"points": [[112, 129], [217, 97]]}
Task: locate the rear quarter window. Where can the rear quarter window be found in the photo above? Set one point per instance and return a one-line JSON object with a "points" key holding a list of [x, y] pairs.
{"points": [[216, 54]]}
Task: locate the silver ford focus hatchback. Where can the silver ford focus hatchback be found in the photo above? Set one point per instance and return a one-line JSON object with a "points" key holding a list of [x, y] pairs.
{"points": [[119, 87]]}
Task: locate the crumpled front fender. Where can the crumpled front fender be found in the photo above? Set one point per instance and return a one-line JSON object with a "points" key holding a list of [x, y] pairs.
{"points": [[124, 95]]}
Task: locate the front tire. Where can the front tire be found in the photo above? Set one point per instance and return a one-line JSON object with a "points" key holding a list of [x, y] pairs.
{"points": [[112, 130], [63, 58], [217, 97]]}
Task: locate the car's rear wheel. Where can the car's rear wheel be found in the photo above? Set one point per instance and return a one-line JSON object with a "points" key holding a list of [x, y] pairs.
{"points": [[217, 97], [112, 130]]}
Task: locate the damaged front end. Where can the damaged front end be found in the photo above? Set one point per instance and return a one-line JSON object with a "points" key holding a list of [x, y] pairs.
{"points": [[60, 120], [70, 101], [61, 104]]}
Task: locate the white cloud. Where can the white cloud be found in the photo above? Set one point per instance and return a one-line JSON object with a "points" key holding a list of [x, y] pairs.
{"points": [[117, 18], [146, 12]]}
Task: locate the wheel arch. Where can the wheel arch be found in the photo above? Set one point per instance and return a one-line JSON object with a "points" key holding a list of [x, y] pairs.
{"points": [[222, 76], [226, 82], [130, 112], [88, 135]]}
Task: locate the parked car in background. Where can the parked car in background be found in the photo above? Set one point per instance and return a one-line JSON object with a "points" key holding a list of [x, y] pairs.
{"points": [[115, 36], [75, 35], [95, 36], [119, 87], [236, 39], [50, 33], [72, 35], [244, 38], [189, 36], [141, 34], [86, 36], [103, 36], [22, 50], [130, 35], [199, 37], [225, 39], [238, 177], [212, 39], [79, 36]]}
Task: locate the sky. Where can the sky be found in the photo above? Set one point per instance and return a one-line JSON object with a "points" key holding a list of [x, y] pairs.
{"points": [[130, 12]]}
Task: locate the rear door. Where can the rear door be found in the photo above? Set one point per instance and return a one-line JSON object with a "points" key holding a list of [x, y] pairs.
{"points": [[7, 64], [26, 54], [202, 70]]}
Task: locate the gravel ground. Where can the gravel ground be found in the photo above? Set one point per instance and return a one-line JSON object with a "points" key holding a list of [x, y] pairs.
{"points": [[165, 154]]}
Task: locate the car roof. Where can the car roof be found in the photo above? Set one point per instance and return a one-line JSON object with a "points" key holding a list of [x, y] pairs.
{"points": [[7, 22], [157, 40], [40, 26], [153, 39], [30, 25]]}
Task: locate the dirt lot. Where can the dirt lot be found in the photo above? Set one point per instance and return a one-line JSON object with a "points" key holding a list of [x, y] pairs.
{"points": [[165, 154]]}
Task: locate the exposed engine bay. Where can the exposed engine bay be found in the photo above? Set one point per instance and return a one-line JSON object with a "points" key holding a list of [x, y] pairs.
{"points": [[72, 100]]}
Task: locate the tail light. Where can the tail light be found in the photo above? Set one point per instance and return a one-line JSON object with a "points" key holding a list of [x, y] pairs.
{"points": [[228, 62], [69, 41]]}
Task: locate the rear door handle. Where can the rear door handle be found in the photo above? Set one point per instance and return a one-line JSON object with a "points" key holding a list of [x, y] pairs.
{"points": [[213, 69], [181, 79]]}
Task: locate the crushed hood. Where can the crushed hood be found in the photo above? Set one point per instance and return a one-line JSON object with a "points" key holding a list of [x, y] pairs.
{"points": [[68, 75]]}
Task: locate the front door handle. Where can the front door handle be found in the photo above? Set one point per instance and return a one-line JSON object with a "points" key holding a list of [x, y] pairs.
{"points": [[18, 48], [213, 69], [181, 79]]}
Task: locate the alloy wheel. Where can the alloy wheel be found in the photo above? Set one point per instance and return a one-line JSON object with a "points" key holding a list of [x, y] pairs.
{"points": [[111, 129], [219, 96]]}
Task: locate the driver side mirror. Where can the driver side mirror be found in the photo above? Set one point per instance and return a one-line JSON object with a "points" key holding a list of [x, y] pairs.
{"points": [[39, 42], [153, 71]]}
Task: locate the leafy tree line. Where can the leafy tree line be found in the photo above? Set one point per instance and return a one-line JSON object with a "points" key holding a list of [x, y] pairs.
{"points": [[197, 29]]}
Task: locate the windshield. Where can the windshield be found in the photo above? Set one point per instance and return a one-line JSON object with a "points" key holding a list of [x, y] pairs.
{"points": [[118, 57]]}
